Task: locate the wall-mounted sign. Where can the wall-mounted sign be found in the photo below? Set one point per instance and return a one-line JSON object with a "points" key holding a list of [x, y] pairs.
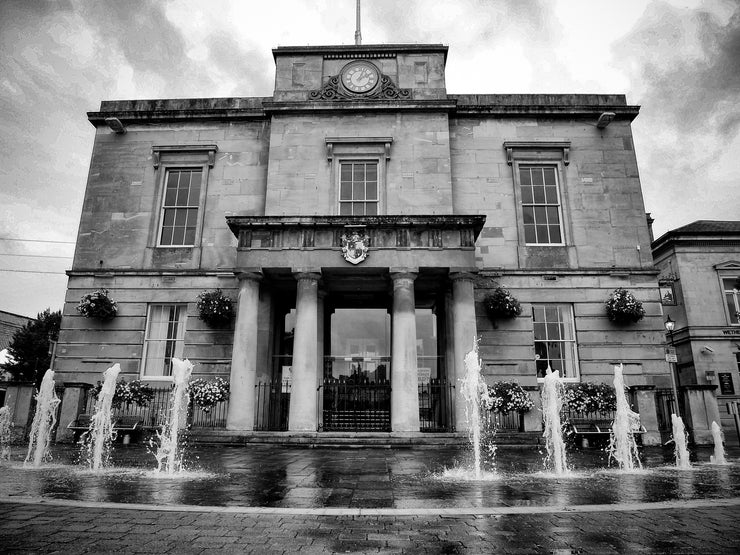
{"points": [[725, 384]]}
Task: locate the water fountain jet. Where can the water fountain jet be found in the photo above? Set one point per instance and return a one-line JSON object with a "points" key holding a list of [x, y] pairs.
{"points": [[719, 449], [552, 405], [44, 421], [101, 433], [169, 456], [475, 392], [622, 444], [680, 441]]}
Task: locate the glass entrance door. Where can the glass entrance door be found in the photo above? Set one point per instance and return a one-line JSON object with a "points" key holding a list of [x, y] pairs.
{"points": [[357, 388]]}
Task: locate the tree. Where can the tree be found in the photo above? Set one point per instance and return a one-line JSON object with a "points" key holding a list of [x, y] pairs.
{"points": [[30, 347]]}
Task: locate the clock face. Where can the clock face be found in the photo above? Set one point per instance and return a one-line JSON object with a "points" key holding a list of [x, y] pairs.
{"points": [[360, 77]]}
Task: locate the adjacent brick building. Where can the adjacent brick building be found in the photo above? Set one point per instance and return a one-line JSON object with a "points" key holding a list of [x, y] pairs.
{"points": [[360, 215]]}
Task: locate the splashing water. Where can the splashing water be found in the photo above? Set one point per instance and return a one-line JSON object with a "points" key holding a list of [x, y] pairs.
{"points": [[622, 444], [6, 428], [719, 448], [101, 433], [44, 421], [475, 392], [169, 456], [552, 404], [680, 439]]}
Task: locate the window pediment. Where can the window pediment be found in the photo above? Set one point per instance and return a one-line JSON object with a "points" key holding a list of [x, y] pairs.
{"points": [[193, 152], [541, 150]]}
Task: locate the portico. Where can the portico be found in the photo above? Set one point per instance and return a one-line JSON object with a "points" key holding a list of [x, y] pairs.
{"points": [[343, 322]]}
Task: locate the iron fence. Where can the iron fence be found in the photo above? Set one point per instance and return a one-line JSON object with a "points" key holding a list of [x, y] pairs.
{"points": [[356, 405], [436, 408], [272, 401], [156, 412], [665, 405], [505, 421]]}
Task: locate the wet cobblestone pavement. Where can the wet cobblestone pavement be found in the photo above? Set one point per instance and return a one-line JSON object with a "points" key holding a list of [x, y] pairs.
{"points": [[268, 499]]}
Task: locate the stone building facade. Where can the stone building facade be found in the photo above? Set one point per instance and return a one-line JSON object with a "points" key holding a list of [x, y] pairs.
{"points": [[699, 279], [360, 215]]}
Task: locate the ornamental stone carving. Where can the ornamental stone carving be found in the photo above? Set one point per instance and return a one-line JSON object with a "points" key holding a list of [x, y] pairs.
{"points": [[354, 246], [333, 90]]}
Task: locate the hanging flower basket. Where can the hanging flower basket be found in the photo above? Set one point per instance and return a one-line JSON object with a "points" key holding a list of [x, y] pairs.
{"points": [[501, 304], [509, 397], [623, 308], [129, 393], [587, 397], [214, 308], [206, 394], [98, 305]]}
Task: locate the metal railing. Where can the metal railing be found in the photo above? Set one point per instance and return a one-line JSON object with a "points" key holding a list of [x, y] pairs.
{"points": [[155, 414], [356, 405], [505, 421], [665, 405], [436, 408], [272, 402]]}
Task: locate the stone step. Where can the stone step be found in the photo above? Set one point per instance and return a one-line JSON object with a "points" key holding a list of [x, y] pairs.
{"points": [[354, 439]]}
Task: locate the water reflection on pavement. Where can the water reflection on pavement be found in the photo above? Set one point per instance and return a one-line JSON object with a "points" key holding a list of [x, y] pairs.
{"points": [[276, 476]]}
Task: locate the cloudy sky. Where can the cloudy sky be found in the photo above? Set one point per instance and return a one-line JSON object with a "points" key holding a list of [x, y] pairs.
{"points": [[678, 59]]}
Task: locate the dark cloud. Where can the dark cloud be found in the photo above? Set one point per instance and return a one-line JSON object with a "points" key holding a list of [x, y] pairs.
{"points": [[484, 19], [246, 67], [140, 30], [687, 65]]}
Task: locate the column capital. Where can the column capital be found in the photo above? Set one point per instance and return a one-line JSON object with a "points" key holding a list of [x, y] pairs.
{"points": [[404, 273], [302, 274], [467, 274], [251, 275]]}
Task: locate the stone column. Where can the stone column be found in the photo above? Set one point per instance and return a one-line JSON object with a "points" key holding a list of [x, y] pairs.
{"points": [[644, 396], [464, 332], [18, 398], [73, 404], [244, 354], [533, 418], [303, 415], [701, 409], [404, 372]]}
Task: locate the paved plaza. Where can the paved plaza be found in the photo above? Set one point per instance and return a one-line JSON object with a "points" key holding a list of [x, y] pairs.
{"points": [[284, 500]]}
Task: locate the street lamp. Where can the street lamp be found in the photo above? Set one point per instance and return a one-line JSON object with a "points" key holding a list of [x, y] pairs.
{"points": [[670, 325]]}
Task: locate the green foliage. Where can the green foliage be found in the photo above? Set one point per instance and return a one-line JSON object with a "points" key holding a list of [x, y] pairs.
{"points": [[98, 305], [500, 303], [623, 308], [587, 397], [30, 347], [129, 393], [206, 394], [214, 308], [509, 397]]}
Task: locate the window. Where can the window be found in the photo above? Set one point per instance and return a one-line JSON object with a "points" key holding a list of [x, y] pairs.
{"points": [[540, 199], [181, 178], [358, 166], [555, 340], [731, 292], [358, 188], [180, 207], [164, 338]]}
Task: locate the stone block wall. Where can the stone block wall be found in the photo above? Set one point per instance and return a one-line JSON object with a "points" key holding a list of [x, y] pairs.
{"points": [[417, 175], [118, 224], [603, 211], [87, 346], [507, 350]]}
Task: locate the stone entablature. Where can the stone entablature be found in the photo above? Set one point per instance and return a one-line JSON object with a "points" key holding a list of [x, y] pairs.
{"points": [[384, 232], [244, 108]]}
